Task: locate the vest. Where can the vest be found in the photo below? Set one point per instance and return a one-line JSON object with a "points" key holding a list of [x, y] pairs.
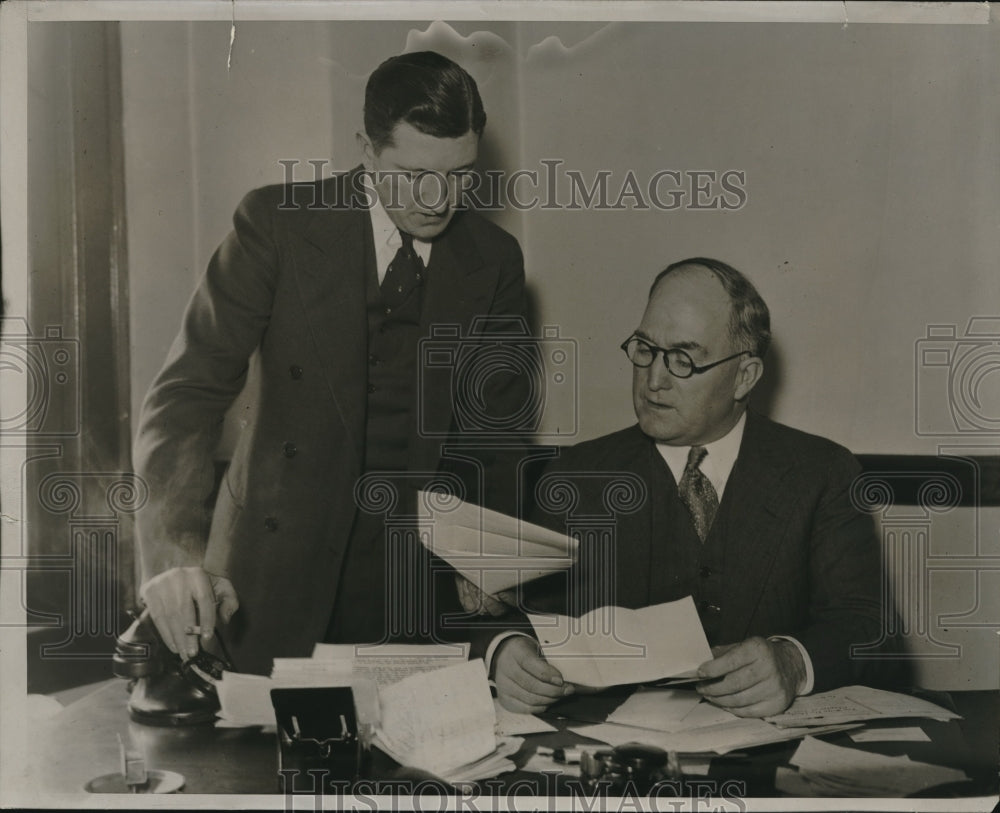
{"points": [[681, 564], [392, 376]]}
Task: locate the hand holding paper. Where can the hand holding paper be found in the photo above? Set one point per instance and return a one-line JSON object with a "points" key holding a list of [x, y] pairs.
{"points": [[525, 682], [613, 645], [755, 678]]}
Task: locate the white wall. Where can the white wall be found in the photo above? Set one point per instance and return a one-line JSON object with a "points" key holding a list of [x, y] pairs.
{"points": [[872, 177]]}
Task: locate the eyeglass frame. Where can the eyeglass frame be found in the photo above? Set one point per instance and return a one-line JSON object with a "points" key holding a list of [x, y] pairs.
{"points": [[663, 351]]}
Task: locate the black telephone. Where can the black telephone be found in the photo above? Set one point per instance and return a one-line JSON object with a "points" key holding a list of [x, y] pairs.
{"points": [[167, 690]]}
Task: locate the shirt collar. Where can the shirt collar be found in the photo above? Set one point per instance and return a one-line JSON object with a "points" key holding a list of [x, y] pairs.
{"points": [[719, 460], [388, 241]]}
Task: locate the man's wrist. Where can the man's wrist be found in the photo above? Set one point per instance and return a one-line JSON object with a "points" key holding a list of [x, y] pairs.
{"points": [[494, 647]]}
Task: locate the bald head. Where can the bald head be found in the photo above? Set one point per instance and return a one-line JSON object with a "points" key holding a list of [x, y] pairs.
{"points": [[691, 309]]}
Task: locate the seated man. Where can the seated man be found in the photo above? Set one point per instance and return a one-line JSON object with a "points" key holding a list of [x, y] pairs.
{"points": [[750, 517]]}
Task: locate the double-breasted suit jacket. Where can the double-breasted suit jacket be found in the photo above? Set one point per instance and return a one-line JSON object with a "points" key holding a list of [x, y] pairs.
{"points": [[287, 288]]}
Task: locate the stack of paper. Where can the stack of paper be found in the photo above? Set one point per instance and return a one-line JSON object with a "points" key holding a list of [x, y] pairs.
{"points": [[426, 706], [613, 645], [831, 770], [444, 722], [853, 703], [494, 551]]}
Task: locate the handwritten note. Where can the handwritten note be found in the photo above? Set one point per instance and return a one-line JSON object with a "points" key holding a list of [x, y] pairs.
{"points": [[438, 721]]}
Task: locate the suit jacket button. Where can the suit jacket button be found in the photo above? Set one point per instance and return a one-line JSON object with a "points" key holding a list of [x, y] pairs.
{"points": [[371, 388], [271, 523], [295, 371], [705, 572], [290, 449]]}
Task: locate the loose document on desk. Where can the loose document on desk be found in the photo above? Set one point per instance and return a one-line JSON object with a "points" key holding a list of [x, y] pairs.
{"points": [[679, 720], [825, 769], [494, 551], [610, 646]]}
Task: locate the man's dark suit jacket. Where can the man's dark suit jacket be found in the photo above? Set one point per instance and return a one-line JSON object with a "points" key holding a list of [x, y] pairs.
{"points": [[289, 282], [796, 558]]}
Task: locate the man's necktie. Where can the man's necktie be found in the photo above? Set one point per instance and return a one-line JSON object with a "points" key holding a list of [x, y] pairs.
{"points": [[406, 272], [698, 493]]}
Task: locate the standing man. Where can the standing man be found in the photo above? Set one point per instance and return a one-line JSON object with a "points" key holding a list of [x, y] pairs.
{"points": [[332, 285], [750, 517]]}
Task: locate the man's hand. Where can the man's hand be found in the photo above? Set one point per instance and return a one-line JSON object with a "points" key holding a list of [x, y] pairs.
{"points": [[754, 678], [475, 600], [525, 681], [183, 598]]}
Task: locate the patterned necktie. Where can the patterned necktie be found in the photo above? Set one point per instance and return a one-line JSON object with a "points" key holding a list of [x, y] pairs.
{"points": [[697, 493], [406, 271]]}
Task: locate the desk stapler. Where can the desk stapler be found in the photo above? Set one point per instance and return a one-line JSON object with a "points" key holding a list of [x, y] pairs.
{"points": [[319, 747], [165, 690]]}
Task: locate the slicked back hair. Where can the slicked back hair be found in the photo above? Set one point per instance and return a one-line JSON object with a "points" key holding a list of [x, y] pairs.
{"points": [[427, 91]]}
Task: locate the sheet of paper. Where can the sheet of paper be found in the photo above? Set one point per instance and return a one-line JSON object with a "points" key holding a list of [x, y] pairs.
{"points": [[835, 770], [660, 709], [245, 699], [510, 723], [852, 703], [387, 664], [440, 720], [447, 511], [720, 739], [493, 550], [613, 645], [907, 734]]}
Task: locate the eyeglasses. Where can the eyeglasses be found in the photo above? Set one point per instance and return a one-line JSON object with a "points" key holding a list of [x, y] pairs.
{"points": [[678, 363]]}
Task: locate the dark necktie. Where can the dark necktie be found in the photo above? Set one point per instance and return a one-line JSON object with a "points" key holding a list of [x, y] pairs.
{"points": [[406, 271], [697, 493]]}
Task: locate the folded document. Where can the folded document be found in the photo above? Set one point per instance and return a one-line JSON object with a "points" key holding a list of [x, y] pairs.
{"points": [[494, 551]]}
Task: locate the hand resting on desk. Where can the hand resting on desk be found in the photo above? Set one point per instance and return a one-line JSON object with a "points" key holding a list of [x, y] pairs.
{"points": [[754, 678]]}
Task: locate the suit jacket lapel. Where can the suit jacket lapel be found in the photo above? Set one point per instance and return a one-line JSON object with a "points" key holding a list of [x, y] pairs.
{"points": [[757, 511], [331, 276]]}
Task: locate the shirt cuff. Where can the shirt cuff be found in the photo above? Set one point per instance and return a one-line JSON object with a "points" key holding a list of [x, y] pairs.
{"points": [[491, 650], [810, 681]]}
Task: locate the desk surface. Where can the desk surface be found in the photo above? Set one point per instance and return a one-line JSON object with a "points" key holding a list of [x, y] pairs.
{"points": [[79, 743]]}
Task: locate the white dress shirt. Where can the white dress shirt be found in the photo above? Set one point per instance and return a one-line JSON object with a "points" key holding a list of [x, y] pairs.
{"points": [[388, 241]]}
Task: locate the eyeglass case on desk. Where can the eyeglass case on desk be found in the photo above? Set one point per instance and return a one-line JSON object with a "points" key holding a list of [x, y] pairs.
{"points": [[319, 749]]}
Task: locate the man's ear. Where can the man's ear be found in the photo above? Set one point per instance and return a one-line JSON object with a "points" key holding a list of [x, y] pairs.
{"points": [[367, 150], [748, 374]]}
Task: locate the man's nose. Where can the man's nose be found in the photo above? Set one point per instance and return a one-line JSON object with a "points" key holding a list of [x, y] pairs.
{"points": [[658, 376], [434, 194]]}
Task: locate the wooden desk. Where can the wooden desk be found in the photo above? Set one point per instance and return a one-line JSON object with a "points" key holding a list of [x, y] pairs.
{"points": [[79, 743]]}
